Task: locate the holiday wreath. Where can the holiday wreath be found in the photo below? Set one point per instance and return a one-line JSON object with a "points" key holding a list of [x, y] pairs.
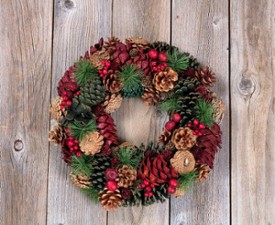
{"points": [[118, 173]]}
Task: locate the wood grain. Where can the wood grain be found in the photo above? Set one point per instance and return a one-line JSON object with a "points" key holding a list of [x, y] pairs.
{"points": [[201, 28], [136, 122], [77, 25], [253, 117], [25, 70]]}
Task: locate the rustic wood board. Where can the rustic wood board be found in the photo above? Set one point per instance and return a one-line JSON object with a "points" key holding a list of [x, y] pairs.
{"points": [[77, 25], [253, 117], [201, 28], [25, 71]]}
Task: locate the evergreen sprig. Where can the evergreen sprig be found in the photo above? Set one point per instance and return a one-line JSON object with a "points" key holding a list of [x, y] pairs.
{"points": [[186, 181], [178, 61], [91, 193], [84, 71], [79, 130], [171, 105], [82, 164], [205, 112], [129, 157]]}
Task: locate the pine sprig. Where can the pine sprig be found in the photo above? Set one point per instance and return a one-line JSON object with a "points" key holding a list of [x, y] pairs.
{"points": [[205, 112], [84, 71], [82, 164], [178, 61], [186, 181], [91, 193], [79, 130], [171, 105], [129, 157]]}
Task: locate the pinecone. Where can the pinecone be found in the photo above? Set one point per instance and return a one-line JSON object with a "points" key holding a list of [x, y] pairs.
{"points": [[156, 170], [150, 96], [185, 86], [183, 162], [97, 58], [207, 145], [126, 176], [57, 135], [218, 107], [204, 92], [164, 80], [91, 143], [147, 82], [141, 59], [160, 194], [205, 76], [97, 47], [80, 180], [135, 199], [55, 110], [99, 165], [137, 42], [183, 138], [110, 200], [112, 83], [165, 137], [67, 86], [163, 47], [112, 103], [203, 171]]}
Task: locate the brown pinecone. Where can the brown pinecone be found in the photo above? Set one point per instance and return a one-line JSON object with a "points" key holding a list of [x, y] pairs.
{"points": [[137, 42], [126, 176], [151, 96], [147, 82], [112, 82], [183, 162], [91, 143], [80, 180], [183, 138], [55, 110], [110, 200], [112, 103], [97, 58], [203, 171], [218, 107], [164, 80], [205, 76], [57, 135], [165, 137]]}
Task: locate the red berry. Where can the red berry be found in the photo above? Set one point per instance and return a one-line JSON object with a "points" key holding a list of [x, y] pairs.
{"points": [[146, 194], [76, 147], [162, 67], [150, 194], [70, 137], [71, 149], [173, 183], [64, 93], [111, 185], [76, 141], [153, 63], [111, 174], [200, 133], [201, 126], [152, 185], [189, 124], [70, 143], [165, 64], [146, 182], [65, 98], [196, 122], [171, 190], [170, 125], [78, 154], [176, 117], [78, 93], [155, 68], [148, 189], [107, 64], [162, 57], [143, 185], [153, 54], [69, 103], [62, 107], [103, 62], [104, 72]]}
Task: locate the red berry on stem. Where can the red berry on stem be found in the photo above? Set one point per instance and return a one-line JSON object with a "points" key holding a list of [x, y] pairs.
{"points": [[143, 185], [173, 183], [70, 143], [107, 64], [171, 190], [78, 154], [76, 141], [104, 72], [170, 125], [65, 98], [78, 93], [69, 103], [62, 107], [176, 117], [150, 194], [162, 57], [153, 63], [76, 147], [196, 122], [148, 188], [111, 185], [64, 93], [189, 124], [200, 133], [201, 126], [146, 182], [153, 54]]}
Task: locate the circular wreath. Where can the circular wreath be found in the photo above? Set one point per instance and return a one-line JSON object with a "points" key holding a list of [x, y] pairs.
{"points": [[117, 173]]}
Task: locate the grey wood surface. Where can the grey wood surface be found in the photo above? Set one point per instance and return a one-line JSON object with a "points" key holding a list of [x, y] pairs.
{"points": [[39, 40]]}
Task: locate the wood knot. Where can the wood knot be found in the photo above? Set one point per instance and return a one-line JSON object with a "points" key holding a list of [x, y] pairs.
{"points": [[69, 4], [18, 145], [246, 86]]}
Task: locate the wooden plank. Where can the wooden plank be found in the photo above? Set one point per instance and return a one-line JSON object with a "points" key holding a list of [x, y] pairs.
{"points": [[136, 122], [253, 117], [77, 25], [201, 28], [25, 71]]}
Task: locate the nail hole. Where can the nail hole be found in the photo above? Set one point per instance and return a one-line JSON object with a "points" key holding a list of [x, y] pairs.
{"points": [[18, 145]]}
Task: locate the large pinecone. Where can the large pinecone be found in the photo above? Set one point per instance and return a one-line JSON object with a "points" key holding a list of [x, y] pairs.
{"points": [[57, 135], [160, 194], [80, 180], [112, 82], [99, 165], [164, 80], [110, 200], [126, 176], [207, 145], [91, 143], [183, 138], [150, 96], [163, 47], [183, 162], [67, 85], [205, 76]]}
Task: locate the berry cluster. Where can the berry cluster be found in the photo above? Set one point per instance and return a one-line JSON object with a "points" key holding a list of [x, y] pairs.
{"points": [[158, 60], [171, 124], [148, 187], [66, 101], [173, 184], [111, 175], [197, 127], [106, 65], [73, 145]]}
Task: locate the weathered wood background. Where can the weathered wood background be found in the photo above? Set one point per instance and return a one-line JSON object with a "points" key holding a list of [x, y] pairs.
{"points": [[39, 40]]}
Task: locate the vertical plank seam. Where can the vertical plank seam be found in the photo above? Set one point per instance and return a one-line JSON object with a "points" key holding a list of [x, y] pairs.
{"points": [[49, 117], [171, 29]]}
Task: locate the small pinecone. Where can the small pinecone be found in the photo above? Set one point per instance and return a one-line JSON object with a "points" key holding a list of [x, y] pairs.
{"points": [[55, 110], [160, 194], [165, 137], [137, 92], [99, 165], [67, 85], [205, 76], [80, 180], [164, 80], [97, 58], [110, 200], [91, 143], [203, 171], [147, 82], [126, 176], [163, 47], [218, 107], [183, 162], [57, 135], [112, 82], [205, 93], [137, 42], [112, 103], [207, 145], [183, 138], [135, 199], [142, 61], [150, 96]]}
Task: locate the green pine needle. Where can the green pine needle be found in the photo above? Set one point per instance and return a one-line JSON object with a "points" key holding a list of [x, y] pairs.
{"points": [[205, 112], [82, 164], [79, 130], [84, 71], [91, 193], [170, 105], [186, 181], [129, 156], [178, 61]]}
